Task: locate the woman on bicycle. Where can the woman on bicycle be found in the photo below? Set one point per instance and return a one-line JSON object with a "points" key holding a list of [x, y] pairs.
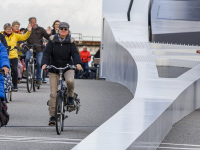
{"points": [[59, 51], [12, 39]]}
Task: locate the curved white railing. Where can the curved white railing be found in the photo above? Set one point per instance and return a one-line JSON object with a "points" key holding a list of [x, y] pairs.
{"points": [[128, 58]]}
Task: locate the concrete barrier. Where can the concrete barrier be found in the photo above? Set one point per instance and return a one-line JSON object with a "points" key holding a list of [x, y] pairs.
{"points": [[128, 58]]}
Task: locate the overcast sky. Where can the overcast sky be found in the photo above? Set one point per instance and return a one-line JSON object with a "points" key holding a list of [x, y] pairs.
{"points": [[84, 16]]}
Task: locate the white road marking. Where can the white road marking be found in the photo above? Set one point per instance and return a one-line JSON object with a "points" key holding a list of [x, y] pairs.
{"points": [[179, 148], [39, 139], [180, 144]]}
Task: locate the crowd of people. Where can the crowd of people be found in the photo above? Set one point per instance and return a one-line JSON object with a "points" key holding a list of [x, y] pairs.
{"points": [[54, 47]]}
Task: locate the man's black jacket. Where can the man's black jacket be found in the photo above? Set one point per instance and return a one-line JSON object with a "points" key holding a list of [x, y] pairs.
{"points": [[60, 54]]}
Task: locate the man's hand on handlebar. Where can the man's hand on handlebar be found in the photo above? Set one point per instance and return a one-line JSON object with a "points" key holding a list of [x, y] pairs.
{"points": [[44, 67], [198, 51], [6, 70], [21, 45], [79, 67]]}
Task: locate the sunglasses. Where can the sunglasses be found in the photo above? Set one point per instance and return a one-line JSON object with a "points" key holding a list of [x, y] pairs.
{"points": [[63, 29]]}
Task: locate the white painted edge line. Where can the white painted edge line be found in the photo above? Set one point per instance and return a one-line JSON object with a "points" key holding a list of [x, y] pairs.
{"points": [[179, 148], [180, 144]]}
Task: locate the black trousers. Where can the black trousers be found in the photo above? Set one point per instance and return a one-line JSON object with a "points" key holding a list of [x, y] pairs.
{"points": [[14, 71]]}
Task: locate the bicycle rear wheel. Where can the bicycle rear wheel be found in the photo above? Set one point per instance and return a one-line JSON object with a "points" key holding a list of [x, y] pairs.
{"points": [[11, 94], [59, 114], [29, 79]]}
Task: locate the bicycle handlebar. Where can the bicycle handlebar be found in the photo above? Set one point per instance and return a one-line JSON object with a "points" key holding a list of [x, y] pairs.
{"points": [[2, 71], [20, 50], [32, 45], [68, 66]]}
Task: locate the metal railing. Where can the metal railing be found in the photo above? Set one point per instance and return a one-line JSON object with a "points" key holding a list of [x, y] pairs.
{"points": [[77, 36], [91, 38]]}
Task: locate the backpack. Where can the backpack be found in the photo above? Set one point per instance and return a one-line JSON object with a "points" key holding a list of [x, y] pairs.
{"points": [[4, 116]]}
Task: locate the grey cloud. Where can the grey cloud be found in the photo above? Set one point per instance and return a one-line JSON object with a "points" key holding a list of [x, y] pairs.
{"points": [[84, 16]]}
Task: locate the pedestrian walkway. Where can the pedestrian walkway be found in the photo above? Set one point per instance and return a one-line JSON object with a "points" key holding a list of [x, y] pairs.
{"points": [[28, 127]]}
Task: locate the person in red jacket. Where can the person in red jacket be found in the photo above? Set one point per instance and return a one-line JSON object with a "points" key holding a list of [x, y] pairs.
{"points": [[85, 58]]}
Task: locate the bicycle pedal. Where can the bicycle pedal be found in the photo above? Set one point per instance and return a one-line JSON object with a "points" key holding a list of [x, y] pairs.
{"points": [[52, 124], [66, 117]]}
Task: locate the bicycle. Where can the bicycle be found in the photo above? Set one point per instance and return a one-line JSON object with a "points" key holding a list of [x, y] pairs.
{"points": [[31, 77], [7, 86], [61, 100]]}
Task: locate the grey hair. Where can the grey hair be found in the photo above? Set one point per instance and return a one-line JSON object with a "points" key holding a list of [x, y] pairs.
{"points": [[31, 19], [85, 46], [7, 25], [15, 23]]}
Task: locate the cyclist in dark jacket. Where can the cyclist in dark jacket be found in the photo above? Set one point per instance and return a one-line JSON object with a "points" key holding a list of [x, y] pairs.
{"points": [[59, 51], [5, 65], [36, 36]]}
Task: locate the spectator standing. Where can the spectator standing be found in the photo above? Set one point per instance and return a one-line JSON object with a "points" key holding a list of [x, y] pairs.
{"points": [[85, 58]]}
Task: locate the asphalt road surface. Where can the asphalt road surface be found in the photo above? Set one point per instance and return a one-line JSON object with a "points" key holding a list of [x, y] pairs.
{"points": [[184, 135], [28, 126]]}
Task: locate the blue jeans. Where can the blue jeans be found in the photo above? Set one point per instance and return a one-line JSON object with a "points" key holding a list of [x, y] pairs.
{"points": [[38, 62], [86, 68]]}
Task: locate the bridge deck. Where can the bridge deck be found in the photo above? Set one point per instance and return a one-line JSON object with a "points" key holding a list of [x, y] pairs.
{"points": [[28, 127]]}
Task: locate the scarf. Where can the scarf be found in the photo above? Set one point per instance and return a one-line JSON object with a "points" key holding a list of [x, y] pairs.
{"points": [[60, 39], [7, 34], [16, 32]]}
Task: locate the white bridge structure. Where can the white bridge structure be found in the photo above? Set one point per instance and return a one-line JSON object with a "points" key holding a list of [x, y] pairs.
{"points": [[127, 57]]}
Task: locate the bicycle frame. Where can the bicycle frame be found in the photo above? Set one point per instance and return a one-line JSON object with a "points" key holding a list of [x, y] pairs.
{"points": [[60, 85]]}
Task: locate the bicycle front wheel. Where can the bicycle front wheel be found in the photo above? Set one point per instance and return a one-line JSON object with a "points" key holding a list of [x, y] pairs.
{"points": [[34, 79], [59, 114], [29, 79], [8, 95]]}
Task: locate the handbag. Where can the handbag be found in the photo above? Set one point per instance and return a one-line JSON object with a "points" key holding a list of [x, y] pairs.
{"points": [[4, 116]]}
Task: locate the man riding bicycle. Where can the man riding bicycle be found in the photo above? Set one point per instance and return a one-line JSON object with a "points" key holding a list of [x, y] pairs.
{"points": [[36, 36], [59, 51]]}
